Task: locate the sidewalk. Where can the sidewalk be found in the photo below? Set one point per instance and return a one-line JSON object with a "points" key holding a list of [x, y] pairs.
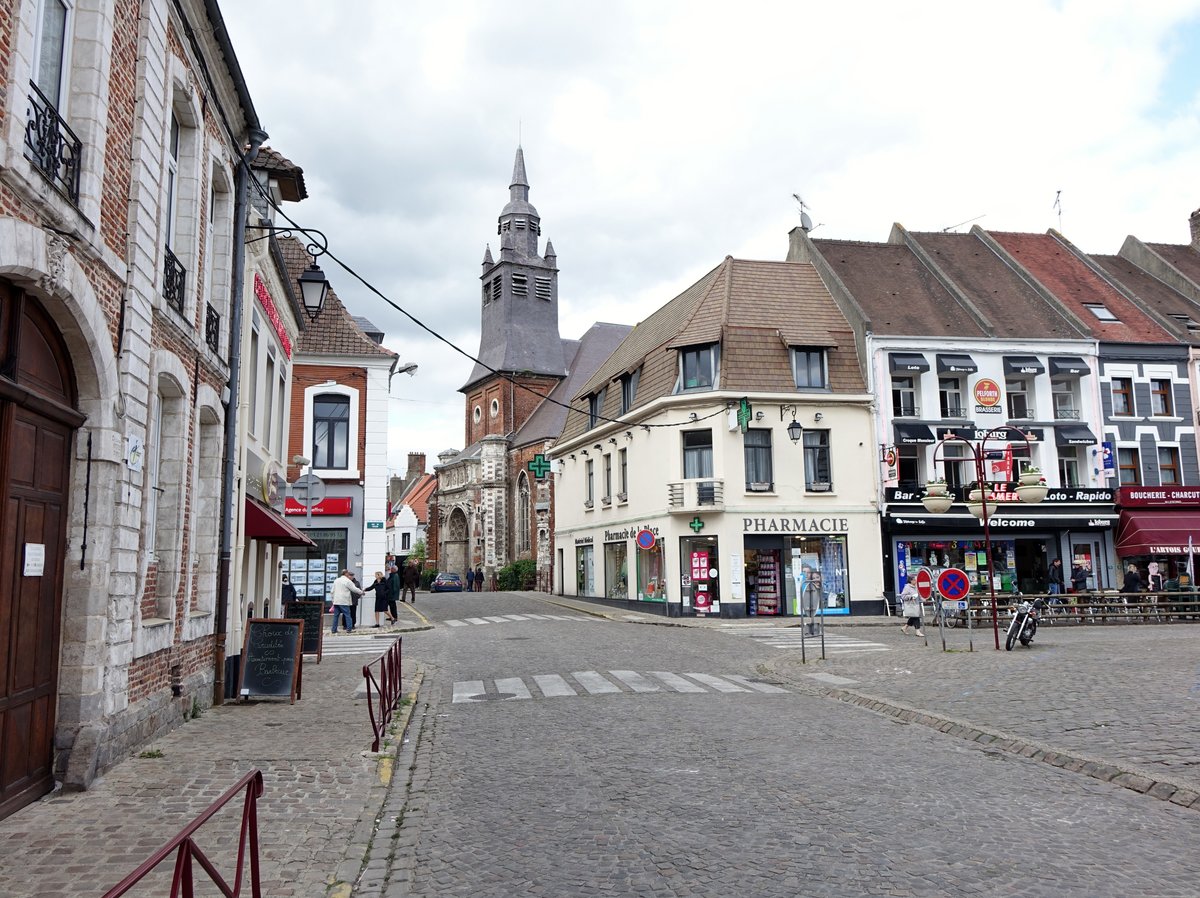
{"points": [[316, 816]]}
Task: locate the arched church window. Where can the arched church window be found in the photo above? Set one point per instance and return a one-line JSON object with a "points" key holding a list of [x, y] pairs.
{"points": [[522, 523], [495, 407], [478, 414]]}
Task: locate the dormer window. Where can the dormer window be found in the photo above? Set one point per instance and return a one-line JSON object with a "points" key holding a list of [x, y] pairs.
{"points": [[629, 385], [595, 408], [808, 368], [541, 288], [698, 368], [520, 285], [1101, 312]]}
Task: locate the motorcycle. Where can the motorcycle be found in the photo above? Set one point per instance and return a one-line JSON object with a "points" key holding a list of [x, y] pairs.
{"points": [[1024, 623]]}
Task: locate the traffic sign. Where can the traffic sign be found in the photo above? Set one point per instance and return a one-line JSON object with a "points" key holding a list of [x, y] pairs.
{"points": [[953, 584], [308, 490], [924, 583], [646, 539]]}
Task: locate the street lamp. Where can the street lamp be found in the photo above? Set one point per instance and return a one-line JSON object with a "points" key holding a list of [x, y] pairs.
{"points": [[1031, 488], [794, 430], [314, 286]]}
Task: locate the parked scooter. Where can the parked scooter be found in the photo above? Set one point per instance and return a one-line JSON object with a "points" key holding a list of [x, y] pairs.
{"points": [[1024, 622]]}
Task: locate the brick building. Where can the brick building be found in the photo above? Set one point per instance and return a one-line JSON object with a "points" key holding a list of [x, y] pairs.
{"points": [[491, 509]]}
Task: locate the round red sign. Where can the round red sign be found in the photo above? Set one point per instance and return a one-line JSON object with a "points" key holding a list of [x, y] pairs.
{"points": [[987, 392], [924, 583]]}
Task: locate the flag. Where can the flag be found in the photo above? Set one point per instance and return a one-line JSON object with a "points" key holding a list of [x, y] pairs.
{"points": [[1004, 465]]}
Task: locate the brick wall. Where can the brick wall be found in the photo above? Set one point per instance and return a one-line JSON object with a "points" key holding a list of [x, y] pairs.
{"points": [[515, 404], [305, 376], [122, 113]]}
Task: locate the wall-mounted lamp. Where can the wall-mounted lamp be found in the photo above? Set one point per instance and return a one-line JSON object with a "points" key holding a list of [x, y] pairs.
{"points": [[794, 430], [597, 447], [646, 427], [629, 434], [314, 286], [818, 416], [613, 440], [571, 456], [786, 408], [692, 416], [758, 416], [583, 452]]}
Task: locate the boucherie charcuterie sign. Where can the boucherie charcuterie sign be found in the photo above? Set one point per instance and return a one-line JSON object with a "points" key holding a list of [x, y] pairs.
{"points": [[1129, 496], [268, 304]]}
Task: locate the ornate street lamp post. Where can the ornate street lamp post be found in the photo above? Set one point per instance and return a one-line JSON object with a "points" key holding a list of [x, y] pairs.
{"points": [[937, 500]]}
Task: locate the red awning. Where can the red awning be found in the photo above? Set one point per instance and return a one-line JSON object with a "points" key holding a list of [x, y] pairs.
{"points": [[1157, 533], [264, 524]]}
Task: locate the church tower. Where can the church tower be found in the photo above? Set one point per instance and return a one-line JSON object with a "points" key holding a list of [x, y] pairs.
{"points": [[519, 321]]}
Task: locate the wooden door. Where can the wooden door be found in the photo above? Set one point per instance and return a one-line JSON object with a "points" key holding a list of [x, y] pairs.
{"points": [[36, 429]]}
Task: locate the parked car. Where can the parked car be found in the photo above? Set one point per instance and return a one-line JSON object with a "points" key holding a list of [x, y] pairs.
{"points": [[446, 583]]}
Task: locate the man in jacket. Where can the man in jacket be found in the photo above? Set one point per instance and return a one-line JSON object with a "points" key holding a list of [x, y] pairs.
{"points": [[412, 576], [342, 597]]}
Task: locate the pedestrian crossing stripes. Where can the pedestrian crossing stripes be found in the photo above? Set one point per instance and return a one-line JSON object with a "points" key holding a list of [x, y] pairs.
{"points": [[506, 618], [610, 682], [355, 643], [792, 638]]}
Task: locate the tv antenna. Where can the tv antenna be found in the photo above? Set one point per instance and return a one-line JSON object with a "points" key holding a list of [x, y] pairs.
{"points": [[961, 223], [1058, 205], [805, 220]]}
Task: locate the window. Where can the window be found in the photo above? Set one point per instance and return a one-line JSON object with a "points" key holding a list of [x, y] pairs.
{"points": [[1063, 394], [1122, 396], [331, 432], [629, 385], [607, 497], [697, 454], [909, 466], [808, 368], [1168, 465], [520, 285], [757, 449], [280, 447], [269, 412], [1160, 398], [595, 408], [172, 178], [623, 473], [954, 465], [405, 541], [904, 397], [497, 286], [494, 408], [252, 379], [817, 473], [541, 288], [1129, 467], [698, 367], [1101, 312], [477, 414], [51, 50], [1068, 467], [590, 498], [950, 397], [523, 521], [1019, 404]]}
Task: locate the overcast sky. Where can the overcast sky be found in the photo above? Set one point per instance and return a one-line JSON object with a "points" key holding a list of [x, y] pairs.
{"points": [[660, 137]]}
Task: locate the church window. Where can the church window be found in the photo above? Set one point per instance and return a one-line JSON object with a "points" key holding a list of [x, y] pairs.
{"points": [[520, 224], [523, 520], [478, 414], [495, 407], [497, 286], [520, 285], [541, 287], [698, 368], [487, 292]]}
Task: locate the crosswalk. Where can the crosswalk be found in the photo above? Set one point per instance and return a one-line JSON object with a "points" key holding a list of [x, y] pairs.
{"points": [[609, 682], [508, 618], [791, 637], [356, 643]]}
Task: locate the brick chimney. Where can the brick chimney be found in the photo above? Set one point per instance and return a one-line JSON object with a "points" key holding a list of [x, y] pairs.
{"points": [[1194, 221], [416, 465]]}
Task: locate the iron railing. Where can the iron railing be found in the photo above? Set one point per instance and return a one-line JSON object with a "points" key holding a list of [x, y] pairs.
{"points": [[173, 280], [186, 850], [212, 329], [51, 145], [381, 704], [687, 496]]}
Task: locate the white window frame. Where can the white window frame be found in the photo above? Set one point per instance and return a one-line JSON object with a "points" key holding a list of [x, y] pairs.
{"points": [[352, 472], [713, 350], [64, 82], [822, 355]]}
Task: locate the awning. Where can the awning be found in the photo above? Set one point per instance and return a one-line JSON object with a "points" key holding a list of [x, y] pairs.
{"points": [[914, 435], [956, 363], [264, 524], [1022, 364], [1074, 435], [908, 361], [1061, 365], [1157, 533]]}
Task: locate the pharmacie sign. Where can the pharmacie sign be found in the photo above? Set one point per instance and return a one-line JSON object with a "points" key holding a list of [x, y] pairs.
{"points": [[795, 525], [612, 536]]}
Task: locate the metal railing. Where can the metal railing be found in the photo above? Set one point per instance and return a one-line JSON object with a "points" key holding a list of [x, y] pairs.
{"points": [[686, 496], [173, 280], [382, 704], [1067, 414], [51, 145], [186, 850], [212, 329]]}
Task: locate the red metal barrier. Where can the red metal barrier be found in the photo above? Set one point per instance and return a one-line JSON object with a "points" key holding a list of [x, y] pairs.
{"points": [[387, 690], [186, 848]]}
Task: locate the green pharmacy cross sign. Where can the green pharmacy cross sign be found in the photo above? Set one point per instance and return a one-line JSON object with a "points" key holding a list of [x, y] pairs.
{"points": [[696, 524], [540, 466], [745, 414]]}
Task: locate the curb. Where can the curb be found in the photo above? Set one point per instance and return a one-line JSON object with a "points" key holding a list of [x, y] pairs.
{"points": [[1127, 777]]}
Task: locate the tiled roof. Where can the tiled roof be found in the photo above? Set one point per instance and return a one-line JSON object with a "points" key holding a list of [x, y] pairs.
{"points": [[756, 310], [1009, 304], [334, 332], [289, 175], [1182, 257], [418, 497], [1152, 293], [1076, 286], [899, 294]]}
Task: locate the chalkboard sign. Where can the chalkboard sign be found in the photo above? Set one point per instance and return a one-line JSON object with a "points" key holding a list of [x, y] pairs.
{"points": [[312, 613], [271, 658]]}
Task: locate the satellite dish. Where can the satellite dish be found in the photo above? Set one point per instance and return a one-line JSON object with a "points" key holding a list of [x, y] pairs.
{"points": [[805, 221]]}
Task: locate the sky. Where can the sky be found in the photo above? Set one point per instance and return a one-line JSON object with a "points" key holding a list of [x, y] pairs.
{"points": [[660, 137]]}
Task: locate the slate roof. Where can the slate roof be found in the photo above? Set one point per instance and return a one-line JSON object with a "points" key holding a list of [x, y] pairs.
{"points": [[1075, 285], [334, 333], [1152, 293], [288, 174], [899, 295], [1184, 258], [756, 310]]}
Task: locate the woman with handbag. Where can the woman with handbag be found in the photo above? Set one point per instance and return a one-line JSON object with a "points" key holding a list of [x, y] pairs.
{"points": [[910, 607]]}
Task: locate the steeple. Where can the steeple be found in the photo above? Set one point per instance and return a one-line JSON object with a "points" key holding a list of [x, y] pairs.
{"points": [[519, 296]]}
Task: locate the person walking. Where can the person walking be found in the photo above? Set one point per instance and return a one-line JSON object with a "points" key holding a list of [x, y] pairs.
{"points": [[412, 577], [479, 578], [382, 594], [342, 596], [910, 607], [470, 579]]}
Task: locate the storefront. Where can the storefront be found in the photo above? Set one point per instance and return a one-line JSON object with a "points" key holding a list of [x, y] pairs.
{"points": [[1159, 531], [700, 574], [796, 565], [1075, 525]]}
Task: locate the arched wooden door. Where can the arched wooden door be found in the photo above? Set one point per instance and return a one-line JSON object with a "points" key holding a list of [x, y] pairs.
{"points": [[37, 422]]}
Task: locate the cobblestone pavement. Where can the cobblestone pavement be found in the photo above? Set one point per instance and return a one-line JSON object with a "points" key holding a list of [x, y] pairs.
{"points": [[322, 790]]}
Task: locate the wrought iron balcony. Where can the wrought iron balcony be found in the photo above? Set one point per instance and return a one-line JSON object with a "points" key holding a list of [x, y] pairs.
{"points": [[212, 329], [51, 145], [173, 278], [690, 496], [1070, 414], [905, 410], [954, 411]]}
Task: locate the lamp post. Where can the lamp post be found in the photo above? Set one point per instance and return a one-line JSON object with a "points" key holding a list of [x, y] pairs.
{"points": [[314, 286], [1031, 489]]}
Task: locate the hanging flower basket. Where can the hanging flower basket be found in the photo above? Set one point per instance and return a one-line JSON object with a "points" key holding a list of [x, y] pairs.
{"points": [[1031, 492], [1032, 478]]}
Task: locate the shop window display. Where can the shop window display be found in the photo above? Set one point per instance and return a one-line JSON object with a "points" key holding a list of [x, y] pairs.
{"points": [[969, 555], [820, 575], [585, 571], [651, 585], [616, 577]]}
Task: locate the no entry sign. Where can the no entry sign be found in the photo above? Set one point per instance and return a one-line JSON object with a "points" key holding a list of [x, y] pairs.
{"points": [[924, 583], [953, 584]]}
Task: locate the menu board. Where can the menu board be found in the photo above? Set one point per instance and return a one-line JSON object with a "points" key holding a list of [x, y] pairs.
{"points": [[314, 629], [271, 658]]}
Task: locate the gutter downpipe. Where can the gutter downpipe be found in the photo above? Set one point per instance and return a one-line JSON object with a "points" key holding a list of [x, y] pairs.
{"points": [[241, 210]]}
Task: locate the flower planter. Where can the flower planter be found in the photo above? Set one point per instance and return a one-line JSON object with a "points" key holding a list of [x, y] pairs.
{"points": [[937, 503], [1032, 492], [1032, 478]]}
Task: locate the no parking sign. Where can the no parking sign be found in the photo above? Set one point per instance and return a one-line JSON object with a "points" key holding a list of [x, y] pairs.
{"points": [[954, 584]]}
